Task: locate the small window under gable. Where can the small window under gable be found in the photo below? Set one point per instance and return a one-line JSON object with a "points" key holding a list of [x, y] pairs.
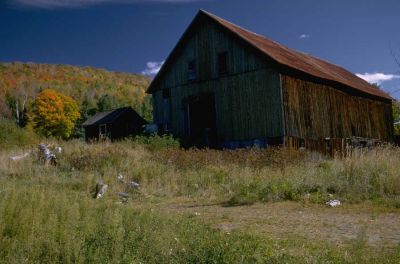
{"points": [[192, 71], [222, 63]]}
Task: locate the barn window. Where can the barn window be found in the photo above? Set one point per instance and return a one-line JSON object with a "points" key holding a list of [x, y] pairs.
{"points": [[222, 63], [192, 72]]}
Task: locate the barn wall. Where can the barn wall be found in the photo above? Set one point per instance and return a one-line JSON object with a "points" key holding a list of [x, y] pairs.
{"points": [[247, 100], [127, 124], [91, 133], [317, 111]]}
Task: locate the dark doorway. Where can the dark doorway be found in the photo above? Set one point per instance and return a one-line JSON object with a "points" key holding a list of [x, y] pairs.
{"points": [[201, 121]]}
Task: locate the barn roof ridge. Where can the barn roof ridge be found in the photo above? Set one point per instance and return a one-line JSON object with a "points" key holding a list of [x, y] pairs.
{"points": [[236, 25], [283, 55], [268, 39]]}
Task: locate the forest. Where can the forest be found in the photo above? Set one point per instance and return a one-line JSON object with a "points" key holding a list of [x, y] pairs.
{"points": [[94, 90]]}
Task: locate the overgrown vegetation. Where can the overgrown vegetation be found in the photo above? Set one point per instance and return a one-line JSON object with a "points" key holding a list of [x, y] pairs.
{"points": [[49, 215], [12, 136], [155, 142], [246, 176]]}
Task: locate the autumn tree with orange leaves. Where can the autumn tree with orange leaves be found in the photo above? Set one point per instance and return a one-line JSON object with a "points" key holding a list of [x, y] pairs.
{"points": [[54, 114]]}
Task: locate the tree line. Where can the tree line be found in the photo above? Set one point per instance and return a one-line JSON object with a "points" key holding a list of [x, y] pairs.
{"points": [[34, 94]]}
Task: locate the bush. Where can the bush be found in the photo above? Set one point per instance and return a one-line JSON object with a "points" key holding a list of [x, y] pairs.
{"points": [[154, 142], [12, 135]]}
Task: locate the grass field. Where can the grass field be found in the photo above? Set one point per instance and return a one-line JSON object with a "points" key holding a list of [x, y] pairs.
{"points": [[199, 206]]}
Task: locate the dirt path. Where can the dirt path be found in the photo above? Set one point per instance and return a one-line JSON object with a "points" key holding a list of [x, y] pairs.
{"points": [[286, 220]]}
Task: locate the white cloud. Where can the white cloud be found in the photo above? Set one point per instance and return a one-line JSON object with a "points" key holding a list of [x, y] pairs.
{"points": [[152, 68], [51, 4], [304, 36], [377, 77]]}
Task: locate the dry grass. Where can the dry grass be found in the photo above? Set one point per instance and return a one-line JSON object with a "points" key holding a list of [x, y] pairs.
{"points": [[49, 215], [244, 176]]}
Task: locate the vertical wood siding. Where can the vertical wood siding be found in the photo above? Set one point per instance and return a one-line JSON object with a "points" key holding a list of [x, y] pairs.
{"points": [[314, 111], [247, 100]]}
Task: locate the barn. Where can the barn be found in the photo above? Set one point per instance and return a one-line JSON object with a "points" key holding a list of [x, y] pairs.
{"points": [[223, 86], [114, 124]]}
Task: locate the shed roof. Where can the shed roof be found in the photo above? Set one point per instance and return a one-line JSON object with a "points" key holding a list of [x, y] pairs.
{"points": [[106, 117], [283, 55]]}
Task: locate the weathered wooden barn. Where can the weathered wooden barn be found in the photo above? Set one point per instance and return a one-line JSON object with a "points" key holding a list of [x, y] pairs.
{"points": [[224, 86], [114, 124]]}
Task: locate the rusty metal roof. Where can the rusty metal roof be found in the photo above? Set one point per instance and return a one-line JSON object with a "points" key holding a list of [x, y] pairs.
{"points": [[293, 59]]}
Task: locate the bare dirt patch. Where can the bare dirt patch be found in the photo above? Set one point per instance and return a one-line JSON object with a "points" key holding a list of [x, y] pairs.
{"points": [[287, 220]]}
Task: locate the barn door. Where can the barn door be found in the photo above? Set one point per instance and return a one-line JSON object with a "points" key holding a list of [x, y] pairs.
{"points": [[201, 121], [104, 132]]}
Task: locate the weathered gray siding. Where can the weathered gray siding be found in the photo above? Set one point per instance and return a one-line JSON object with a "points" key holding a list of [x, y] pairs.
{"points": [[247, 100], [315, 111]]}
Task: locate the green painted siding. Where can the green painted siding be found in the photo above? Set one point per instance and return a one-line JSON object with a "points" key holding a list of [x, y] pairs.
{"points": [[247, 100]]}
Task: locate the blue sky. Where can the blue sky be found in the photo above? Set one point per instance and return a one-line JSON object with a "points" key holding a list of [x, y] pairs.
{"points": [[137, 35]]}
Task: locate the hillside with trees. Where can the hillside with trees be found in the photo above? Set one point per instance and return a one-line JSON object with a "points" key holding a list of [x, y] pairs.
{"points": [[93, 89]]}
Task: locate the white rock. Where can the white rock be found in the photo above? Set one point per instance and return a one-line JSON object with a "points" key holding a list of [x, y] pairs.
{"points": [[333, 203], [121, 178], [134, 184], [101, 188]]}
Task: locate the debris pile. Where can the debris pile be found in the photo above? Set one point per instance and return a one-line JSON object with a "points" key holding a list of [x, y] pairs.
{"points": [[101, 188], [132, 184], [46, 155]]}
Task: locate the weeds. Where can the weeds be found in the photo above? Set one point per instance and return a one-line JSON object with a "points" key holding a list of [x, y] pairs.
{"points": [[12, 136], [48, 215]]}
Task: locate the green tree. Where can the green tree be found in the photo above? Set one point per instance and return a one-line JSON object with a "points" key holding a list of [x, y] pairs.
{"points": [[88, 109], [146, 109], [107, 102], [54, 114], [396, 117]]}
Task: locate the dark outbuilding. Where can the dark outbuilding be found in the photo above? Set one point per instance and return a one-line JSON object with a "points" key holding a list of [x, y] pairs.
{"points": [[225, 86], [114, 124]]}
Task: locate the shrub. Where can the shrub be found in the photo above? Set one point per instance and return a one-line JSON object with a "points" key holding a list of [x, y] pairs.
{"points": [[12, 135], [155, 142]]}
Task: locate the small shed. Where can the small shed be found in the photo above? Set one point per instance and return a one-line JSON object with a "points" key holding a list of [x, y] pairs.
{"points": [[113, 124]]}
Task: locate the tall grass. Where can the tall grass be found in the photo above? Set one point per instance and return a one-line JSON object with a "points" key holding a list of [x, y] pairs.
{"points": [[48, 215], [244, 176], [42, 226]]}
